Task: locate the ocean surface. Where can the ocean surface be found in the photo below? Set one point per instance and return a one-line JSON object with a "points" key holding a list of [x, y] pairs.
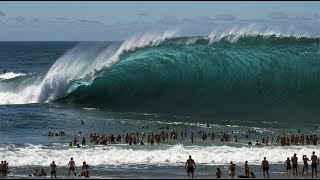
{"points": [[228, 83]]}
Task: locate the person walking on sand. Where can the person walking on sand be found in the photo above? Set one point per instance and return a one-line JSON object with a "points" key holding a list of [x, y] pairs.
{"points": [[71, 165], [53, 167], [314, 163], [265, 167], [191, 166]]}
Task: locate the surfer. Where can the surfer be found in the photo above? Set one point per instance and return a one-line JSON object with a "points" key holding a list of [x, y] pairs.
{"points": [[4, 71]]}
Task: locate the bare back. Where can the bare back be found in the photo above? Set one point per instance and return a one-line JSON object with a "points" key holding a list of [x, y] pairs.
{"points": [[71, 163], [265, 163], [190, 162], [314, 159]]}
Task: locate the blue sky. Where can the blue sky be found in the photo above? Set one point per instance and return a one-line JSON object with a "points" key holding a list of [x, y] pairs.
{"points": [[119, 20]]}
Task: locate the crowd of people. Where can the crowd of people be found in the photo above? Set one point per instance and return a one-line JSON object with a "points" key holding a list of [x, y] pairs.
{"points": [[164, 134], [71, 165], [190, 166]]}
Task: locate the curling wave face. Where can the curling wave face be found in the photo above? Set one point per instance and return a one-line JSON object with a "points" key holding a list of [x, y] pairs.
{"points": [[229, 73]]}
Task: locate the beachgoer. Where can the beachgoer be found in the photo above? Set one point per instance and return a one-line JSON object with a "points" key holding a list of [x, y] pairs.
{"points": [[218, 173], [253, 175], [288, 163], [294, 160], [191, 166], [232, 169], [265, 167], [85, 169], [35, 173], [72, 165], [42, 173], [305, 164], [314, 163], [53, 167], [246, 169], [83, 141]]}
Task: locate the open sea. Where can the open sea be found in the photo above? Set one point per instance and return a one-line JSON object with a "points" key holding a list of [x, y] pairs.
{"points": [[232, 83]]}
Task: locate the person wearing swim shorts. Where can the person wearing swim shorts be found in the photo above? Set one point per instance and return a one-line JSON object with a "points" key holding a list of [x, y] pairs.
{"points": [[190, 166]]}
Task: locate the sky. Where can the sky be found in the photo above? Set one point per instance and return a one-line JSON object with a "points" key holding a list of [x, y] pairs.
{"points": [[114, 20]]}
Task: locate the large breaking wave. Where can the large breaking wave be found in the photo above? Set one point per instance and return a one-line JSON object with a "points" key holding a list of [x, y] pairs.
{"points": [[230, 73]]}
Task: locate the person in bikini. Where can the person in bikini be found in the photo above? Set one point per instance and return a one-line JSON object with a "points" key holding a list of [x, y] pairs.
{"points": [[191, 166]]}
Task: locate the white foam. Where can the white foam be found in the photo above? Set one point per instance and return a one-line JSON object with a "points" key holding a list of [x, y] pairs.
{"points": [[10, 75], [163, 155], [11, 98]]}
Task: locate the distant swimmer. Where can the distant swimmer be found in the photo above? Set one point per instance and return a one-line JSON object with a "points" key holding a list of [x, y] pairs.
{"points": [[4, 71], [191, 166], [82, 122]]}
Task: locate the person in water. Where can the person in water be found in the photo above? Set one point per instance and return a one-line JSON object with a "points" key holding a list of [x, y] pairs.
{"points": [[232, 169], [191, 166], [265, 167]]}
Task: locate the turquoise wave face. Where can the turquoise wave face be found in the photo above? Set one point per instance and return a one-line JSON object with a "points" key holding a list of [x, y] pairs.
{"points": [[254, 74]]}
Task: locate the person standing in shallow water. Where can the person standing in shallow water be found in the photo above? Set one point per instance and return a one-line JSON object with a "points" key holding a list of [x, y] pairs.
{"points": [[305, 165], [53, 167], [190, 166], [246, 169], [72, 165], [294, 160], [218, 173], [265, 167], [314, 163], [232, 169]]}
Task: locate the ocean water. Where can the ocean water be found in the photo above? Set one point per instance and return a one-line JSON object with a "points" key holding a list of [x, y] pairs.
{"points": [[267, 83]]}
